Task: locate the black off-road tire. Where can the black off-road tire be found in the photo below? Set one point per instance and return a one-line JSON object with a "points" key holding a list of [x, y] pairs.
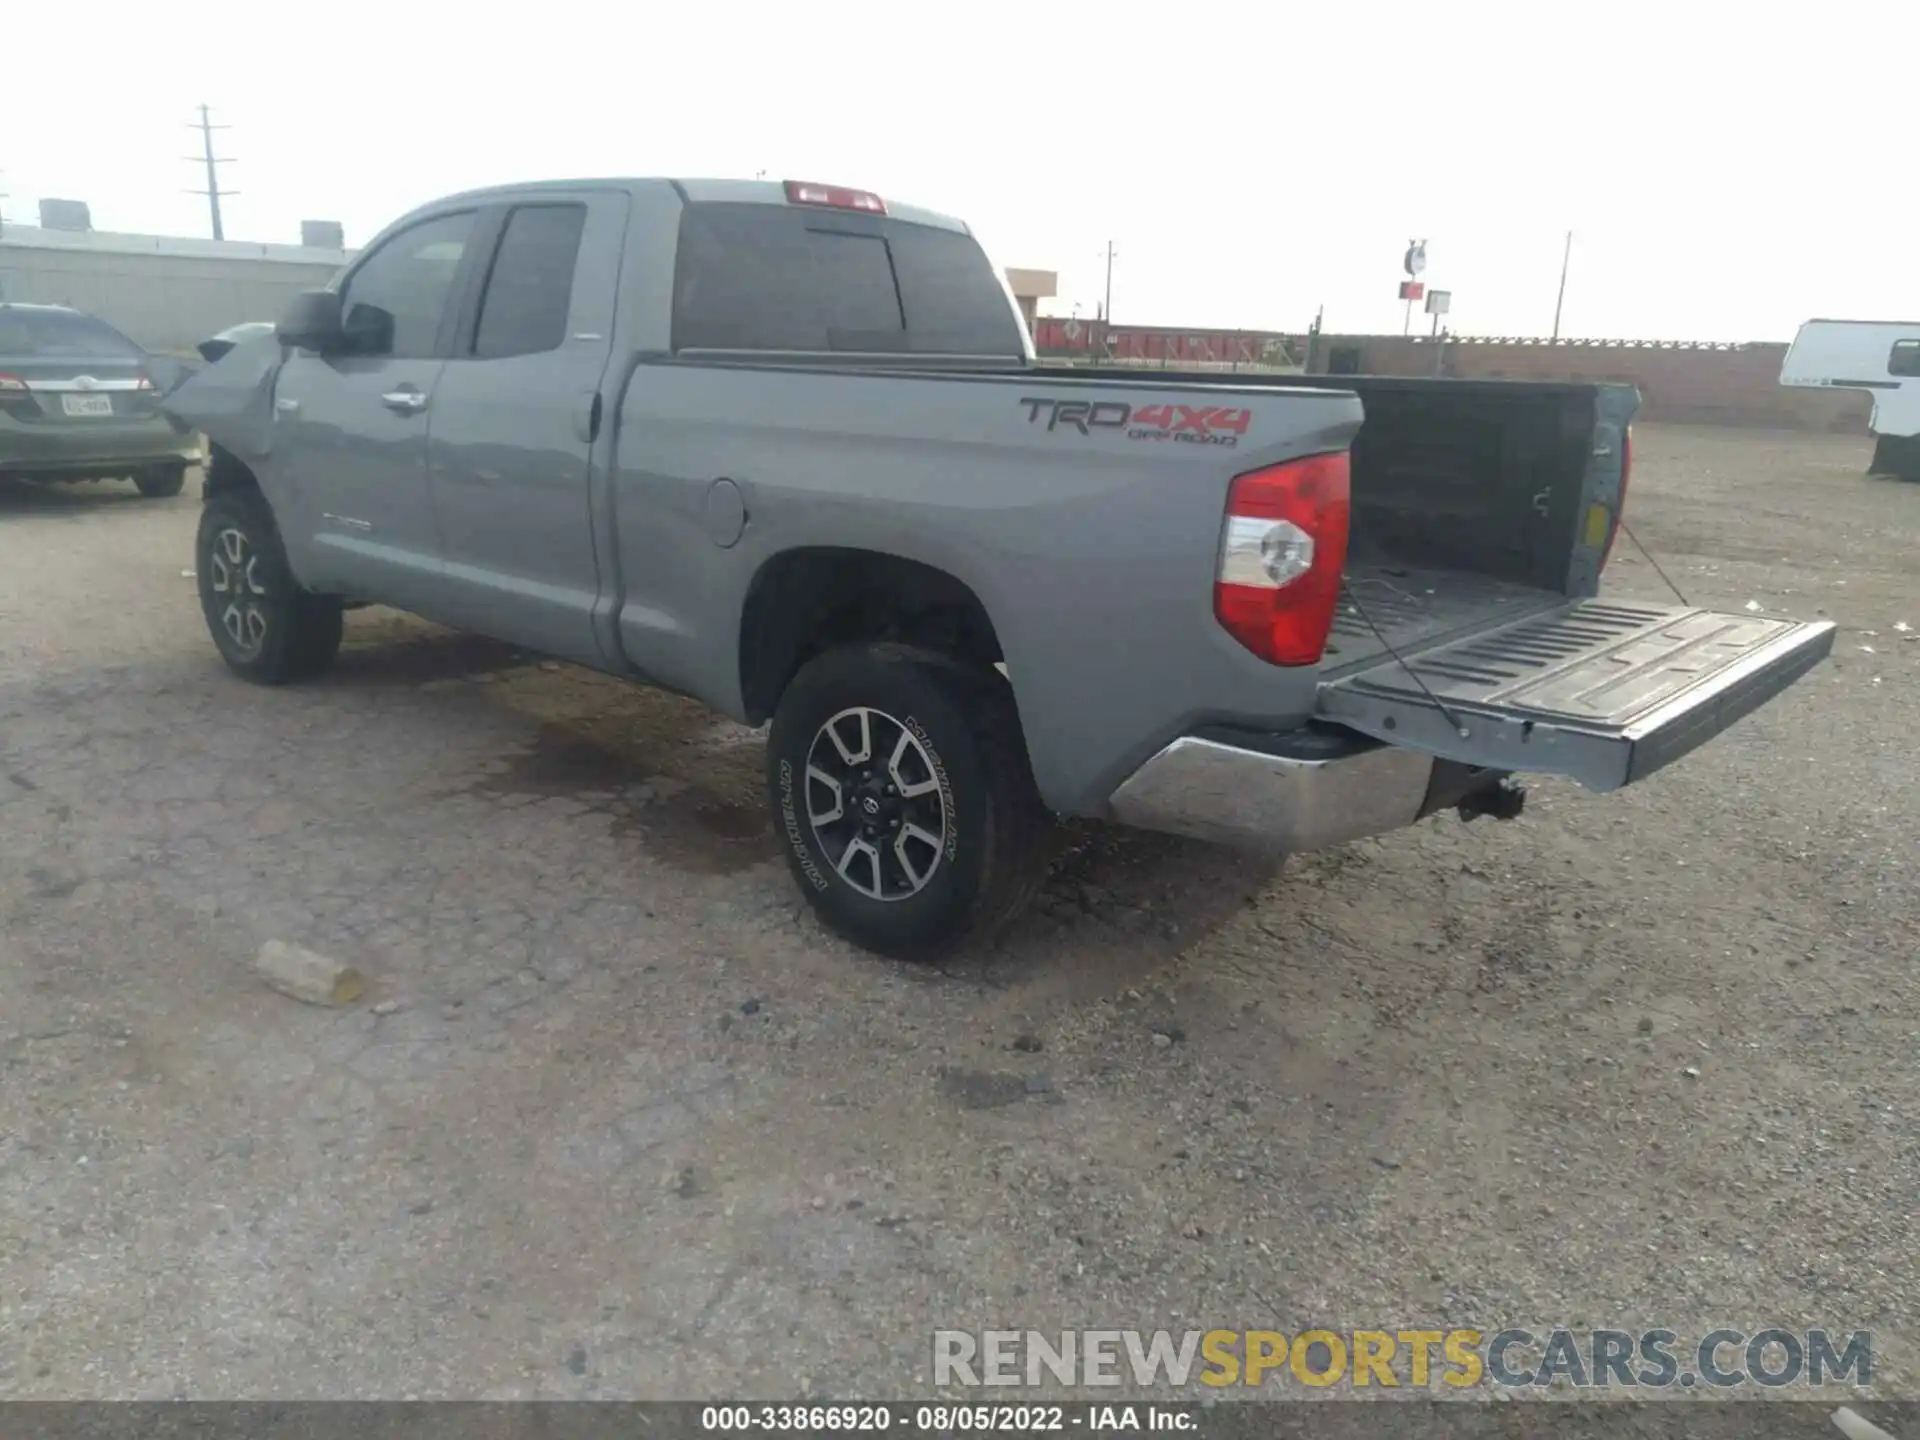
{"points": [[1896, 457], [963, 721], [161, 481], [298, 632]]}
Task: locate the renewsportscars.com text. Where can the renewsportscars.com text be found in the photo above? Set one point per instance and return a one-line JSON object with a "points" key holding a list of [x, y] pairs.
{"points": [[1770, 1358]]}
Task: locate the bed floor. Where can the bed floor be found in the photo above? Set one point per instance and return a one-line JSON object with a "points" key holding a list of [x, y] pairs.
{"points": [[1413, 608]]}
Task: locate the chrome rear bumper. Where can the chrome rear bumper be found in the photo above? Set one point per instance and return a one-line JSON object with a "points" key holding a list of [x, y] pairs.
{"points": [[1215, 791]]}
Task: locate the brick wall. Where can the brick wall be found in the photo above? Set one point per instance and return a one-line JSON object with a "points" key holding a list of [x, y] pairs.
{"points": [[1718, 385]]}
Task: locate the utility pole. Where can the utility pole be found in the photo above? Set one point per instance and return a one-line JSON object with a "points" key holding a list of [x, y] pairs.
{"points": [[1565, 256], [213, 192], [1106, 310]]}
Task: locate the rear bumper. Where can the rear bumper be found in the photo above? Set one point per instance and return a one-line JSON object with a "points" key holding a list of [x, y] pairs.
{"points": [[107, 449], [1294, 792]]}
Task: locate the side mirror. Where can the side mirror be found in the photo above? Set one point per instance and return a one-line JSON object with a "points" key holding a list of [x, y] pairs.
{"points": [[312, 322]]}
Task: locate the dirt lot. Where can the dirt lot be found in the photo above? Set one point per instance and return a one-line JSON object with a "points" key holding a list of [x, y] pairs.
{"points": [[616, 1118]]}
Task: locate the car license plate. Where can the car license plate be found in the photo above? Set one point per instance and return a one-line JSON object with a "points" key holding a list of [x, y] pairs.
{"points": [[87, 404]]}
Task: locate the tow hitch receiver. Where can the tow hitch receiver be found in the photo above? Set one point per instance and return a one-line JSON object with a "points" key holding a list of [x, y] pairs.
{"points": [[1503, 800]]}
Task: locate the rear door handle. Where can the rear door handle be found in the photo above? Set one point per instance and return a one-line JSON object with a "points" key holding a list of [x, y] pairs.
{"points": [[406, 402], [586, 417], [286, 406]]}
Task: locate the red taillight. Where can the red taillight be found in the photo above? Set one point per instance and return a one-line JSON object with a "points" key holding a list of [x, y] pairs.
{"points": [[1282, 549], [143, 383], [1620, 501], [12, 385], [834, 197]]}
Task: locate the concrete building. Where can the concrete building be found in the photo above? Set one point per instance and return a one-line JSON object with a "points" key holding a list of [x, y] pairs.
{"points": [[165, 292], [1029, 288]]}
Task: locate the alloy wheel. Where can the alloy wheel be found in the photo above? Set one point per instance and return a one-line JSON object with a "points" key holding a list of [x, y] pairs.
{"points": [[876, 802], [233, 574]]}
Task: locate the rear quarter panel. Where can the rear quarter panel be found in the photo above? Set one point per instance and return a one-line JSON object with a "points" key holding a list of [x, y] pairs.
{"points": [[1094, 553]]}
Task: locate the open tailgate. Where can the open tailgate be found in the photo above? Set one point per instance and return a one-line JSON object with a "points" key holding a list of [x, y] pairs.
{"points": [[1603, 691]]}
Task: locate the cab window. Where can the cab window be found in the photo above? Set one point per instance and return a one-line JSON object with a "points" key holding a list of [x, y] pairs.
{"points": [[394, 301]]}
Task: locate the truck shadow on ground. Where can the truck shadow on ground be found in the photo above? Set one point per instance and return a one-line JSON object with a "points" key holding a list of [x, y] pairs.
{"points": [[689, 787], [384, 648], [685, 784], [27, 497], [700, 813], [1117, 906]]}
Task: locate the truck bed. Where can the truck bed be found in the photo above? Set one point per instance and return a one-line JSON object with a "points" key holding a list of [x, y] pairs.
{"points": [[1482, 487], [1387, 604]]}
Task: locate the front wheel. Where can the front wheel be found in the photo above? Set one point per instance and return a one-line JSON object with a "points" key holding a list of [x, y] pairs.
{"points": [[266, 627], [899, 781], [161, 482]]}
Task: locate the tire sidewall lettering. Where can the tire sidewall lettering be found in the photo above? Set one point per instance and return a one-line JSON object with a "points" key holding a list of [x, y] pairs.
{"points": [[919, 733], [790, 822]]}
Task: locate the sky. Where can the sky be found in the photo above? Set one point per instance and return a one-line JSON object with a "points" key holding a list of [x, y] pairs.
{"points": [[1726, 171]]}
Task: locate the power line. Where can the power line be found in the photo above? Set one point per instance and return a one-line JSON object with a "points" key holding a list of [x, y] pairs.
{"points": [[213, 192]]}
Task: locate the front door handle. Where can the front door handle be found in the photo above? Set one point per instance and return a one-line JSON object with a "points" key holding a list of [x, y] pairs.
{"points": [[406, 402]]}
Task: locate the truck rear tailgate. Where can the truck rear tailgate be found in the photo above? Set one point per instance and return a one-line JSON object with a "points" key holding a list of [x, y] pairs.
{"points": [[1603, 691]]}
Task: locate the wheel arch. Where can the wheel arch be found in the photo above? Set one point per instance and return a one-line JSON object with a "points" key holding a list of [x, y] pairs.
{"points": [[226, 471], [805, 601]]}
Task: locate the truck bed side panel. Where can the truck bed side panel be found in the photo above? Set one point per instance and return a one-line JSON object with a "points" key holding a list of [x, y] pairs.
{"points": [[1094, 554]]}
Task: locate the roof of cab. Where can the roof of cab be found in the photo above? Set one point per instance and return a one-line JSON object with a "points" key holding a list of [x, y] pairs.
{"points": [[695, 191]]}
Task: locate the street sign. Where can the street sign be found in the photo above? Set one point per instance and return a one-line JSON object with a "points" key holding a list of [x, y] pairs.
{"points": [[1416, 257], [1439, 302], [1411, 290]]}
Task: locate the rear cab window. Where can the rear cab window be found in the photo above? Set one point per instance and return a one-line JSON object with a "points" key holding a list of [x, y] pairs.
{"points": [[1904, 359], [770, 277], [59, 335]]}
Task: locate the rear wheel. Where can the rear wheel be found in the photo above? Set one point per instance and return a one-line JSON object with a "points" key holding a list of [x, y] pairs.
{"points": [[161, 481], [900, 783], [266, 627], [1897, 456]]}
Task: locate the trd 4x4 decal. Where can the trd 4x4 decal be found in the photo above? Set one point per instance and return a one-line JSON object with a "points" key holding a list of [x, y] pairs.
{"points": [[1187, 424]]}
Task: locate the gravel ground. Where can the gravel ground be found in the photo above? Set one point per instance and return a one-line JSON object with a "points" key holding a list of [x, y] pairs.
{"points": [[615, 1118]]}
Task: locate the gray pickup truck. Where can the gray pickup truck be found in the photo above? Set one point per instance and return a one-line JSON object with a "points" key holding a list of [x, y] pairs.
{"points": [[784, 448]]}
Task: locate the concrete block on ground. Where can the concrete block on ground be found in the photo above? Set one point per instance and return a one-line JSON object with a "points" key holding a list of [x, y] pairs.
{"points": [[308, 975]]}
